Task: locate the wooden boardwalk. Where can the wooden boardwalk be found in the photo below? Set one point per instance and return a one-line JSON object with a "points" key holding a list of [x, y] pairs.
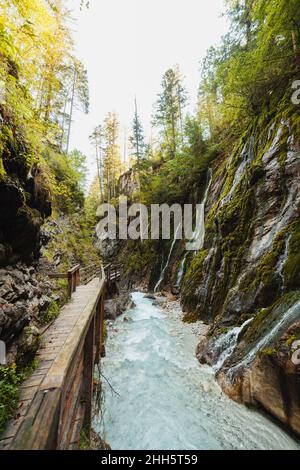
{"points": [[55, 401]]}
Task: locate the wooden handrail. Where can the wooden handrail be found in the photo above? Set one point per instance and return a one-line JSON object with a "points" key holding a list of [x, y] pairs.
{"points": [[88, 273], [63, 402], [77, 275], [112, 272]]}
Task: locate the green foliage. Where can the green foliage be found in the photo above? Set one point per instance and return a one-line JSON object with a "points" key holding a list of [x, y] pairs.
{"points": [[141, 257], [269, 351], [50, 314], [191, 317], [92, 202], [84, 443], [67, 178], [255, 65], [185, 172], [169, 111], [104, 332], [2, 171], [37, 85], [112, 159], [9, 384], [137, 139], [192, 279], [75, 244]]}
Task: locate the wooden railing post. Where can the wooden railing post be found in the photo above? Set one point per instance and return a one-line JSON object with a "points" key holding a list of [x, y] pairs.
{"points": [[78, 277], [98, 330], [70, 284], [88, 375], [73, 277], [102, 339]]}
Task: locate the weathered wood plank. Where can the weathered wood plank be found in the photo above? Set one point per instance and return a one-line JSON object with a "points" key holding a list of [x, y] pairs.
{"points": [[13, 427], [27, 393], [23, 407], [33, 380], [75, 437], [88, 372], [39, 429]]}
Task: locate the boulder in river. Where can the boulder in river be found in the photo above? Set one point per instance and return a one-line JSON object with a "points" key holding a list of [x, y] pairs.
{"points": [[150, 296], [115, 307]]}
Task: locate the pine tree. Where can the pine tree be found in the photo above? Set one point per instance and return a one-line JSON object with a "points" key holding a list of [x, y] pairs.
{"points": [[169, 110], [96, 139], [79, 93], [137, 141], [112, 156]]}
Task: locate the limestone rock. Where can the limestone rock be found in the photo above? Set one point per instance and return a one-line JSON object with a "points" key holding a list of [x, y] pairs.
{"points": [[115, 307]]}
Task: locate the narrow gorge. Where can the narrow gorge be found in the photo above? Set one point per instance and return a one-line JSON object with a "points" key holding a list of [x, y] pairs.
{"points": [[244, 281], [150, 256]]}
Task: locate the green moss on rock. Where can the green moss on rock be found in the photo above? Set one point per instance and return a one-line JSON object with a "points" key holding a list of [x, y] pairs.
{"points": [[292, 266], [190, 317], [192, 280]]}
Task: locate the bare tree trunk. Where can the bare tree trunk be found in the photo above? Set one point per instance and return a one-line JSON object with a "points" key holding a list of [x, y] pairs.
{"points": [[125, 149], [48, 104], [210, 118], [71, 110], [39, 97], [100, 168], [63, 125], [137, 148], [173, 134], [180, 113]]}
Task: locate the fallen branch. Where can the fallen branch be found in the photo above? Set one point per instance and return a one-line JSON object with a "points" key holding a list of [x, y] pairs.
{"points": [[111, 387]]}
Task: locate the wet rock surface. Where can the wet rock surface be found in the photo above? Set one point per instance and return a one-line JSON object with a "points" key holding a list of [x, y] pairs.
{"points": [[24, 297], [113, 308], [23, 207]]}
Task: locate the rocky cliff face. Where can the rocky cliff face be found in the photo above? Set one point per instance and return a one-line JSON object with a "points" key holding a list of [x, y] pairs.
{"points": [[128, 183], [25, 198], [249, 269], [24, 205]]}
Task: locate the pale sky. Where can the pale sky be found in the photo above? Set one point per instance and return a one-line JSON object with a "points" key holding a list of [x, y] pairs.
{"points": [[127, 45]]}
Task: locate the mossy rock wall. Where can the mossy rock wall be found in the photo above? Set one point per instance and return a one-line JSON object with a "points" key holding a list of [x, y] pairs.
{"points": [[252, 244]]}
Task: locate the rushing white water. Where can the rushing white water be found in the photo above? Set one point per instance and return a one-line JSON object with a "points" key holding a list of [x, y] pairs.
{"points": [[181, 271], [162, 274], [292, 314], [166, 400], [228, 342]]}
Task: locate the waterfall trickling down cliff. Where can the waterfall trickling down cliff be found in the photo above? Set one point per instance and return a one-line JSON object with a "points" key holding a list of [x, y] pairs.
{"points": [[197, 240], [227, 343], [282, 261], [291, 315], [163, 272], [181, 271]]}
